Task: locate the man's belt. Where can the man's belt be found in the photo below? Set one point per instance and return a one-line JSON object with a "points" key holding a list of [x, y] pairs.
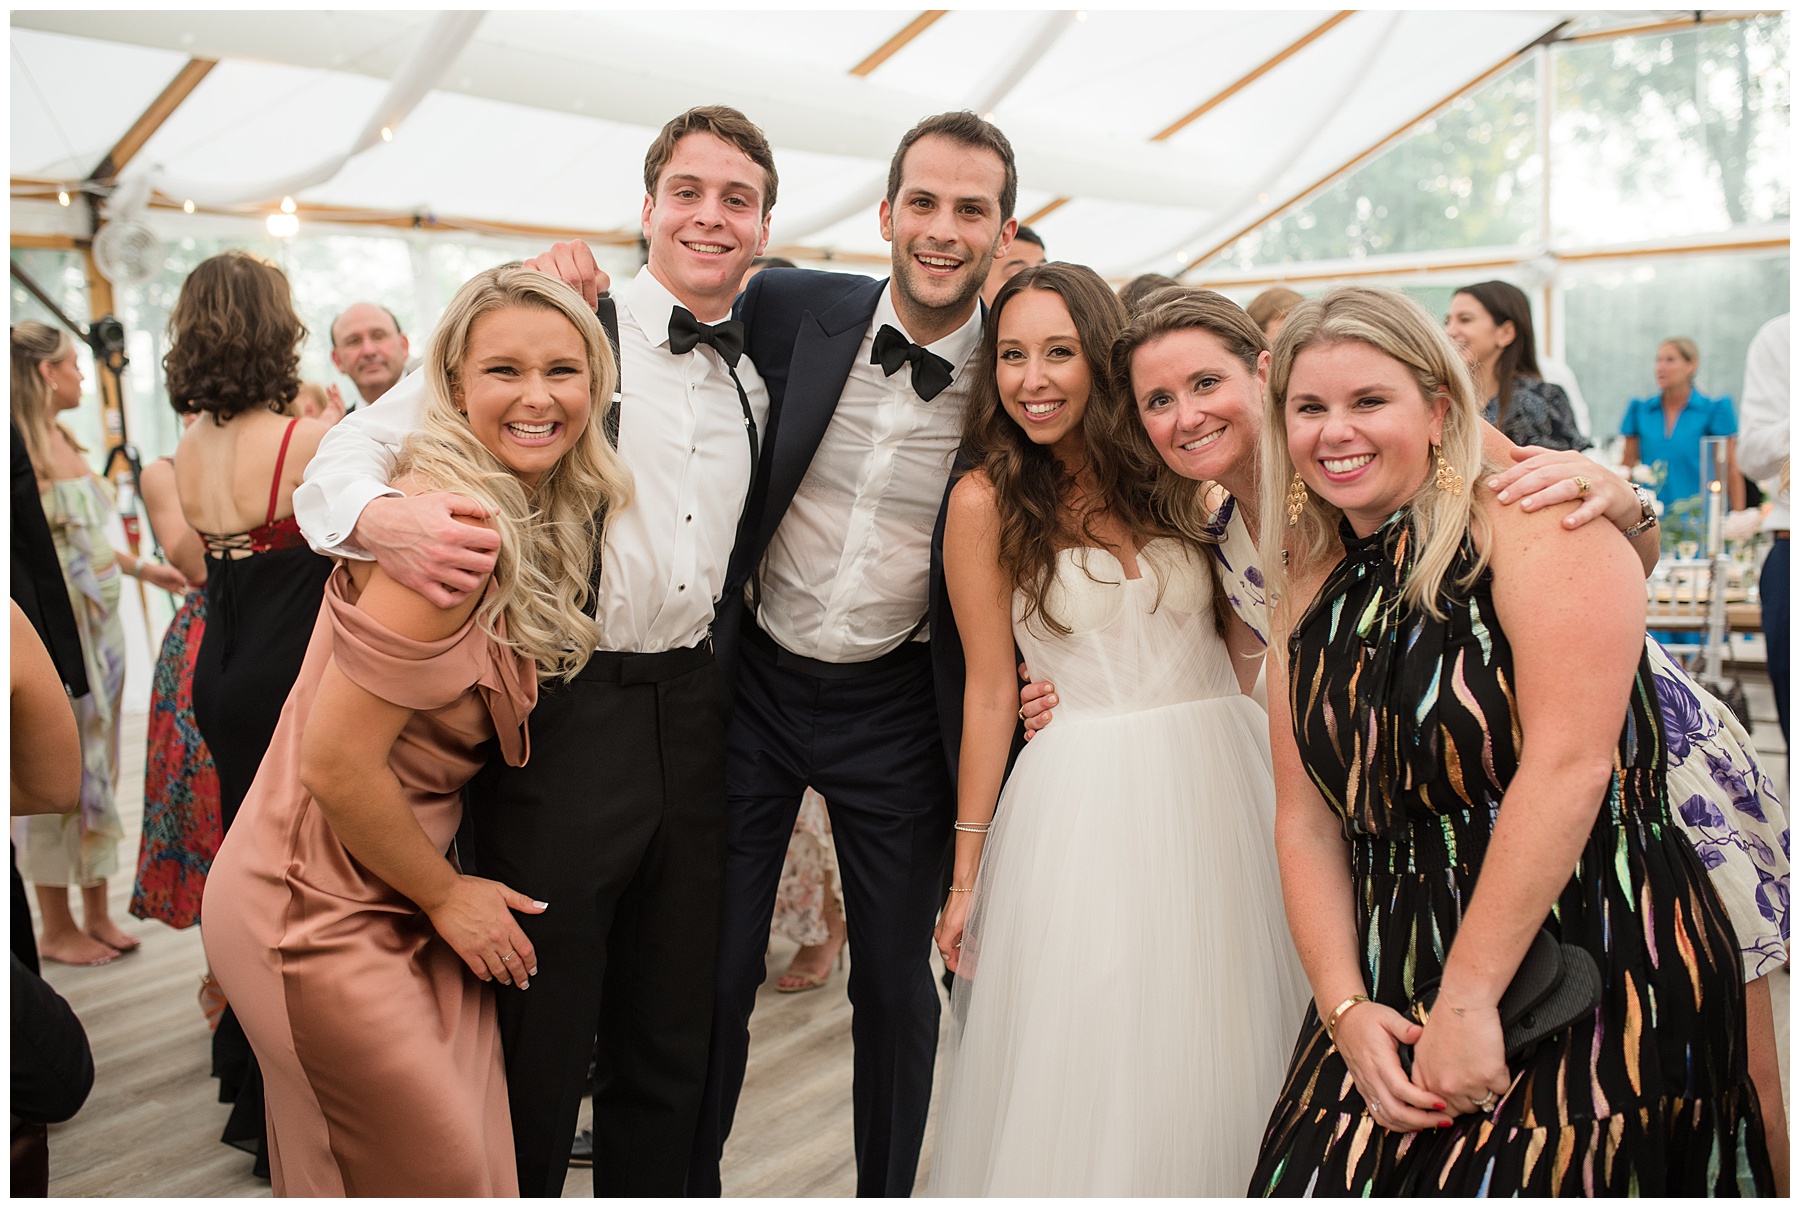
{"points": [[629, 667], [787, 660]]}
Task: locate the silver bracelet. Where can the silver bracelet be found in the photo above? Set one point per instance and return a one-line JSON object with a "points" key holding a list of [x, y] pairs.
{"points": [[1647, 502], [974, 828]]}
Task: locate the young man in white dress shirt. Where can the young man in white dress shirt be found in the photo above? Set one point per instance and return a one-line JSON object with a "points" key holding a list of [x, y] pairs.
{"points": [[618, 820]]}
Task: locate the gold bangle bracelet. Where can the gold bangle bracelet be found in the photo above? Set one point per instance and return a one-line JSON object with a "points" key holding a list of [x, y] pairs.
{"points": [[1331, 1021], [954, 889]]}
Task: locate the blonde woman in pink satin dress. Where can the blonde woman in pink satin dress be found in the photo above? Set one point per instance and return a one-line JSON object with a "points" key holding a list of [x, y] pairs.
{"points": [[358, 957]]}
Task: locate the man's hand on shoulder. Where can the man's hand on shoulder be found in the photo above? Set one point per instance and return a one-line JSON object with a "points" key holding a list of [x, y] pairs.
{"points": [[424, 542], [573, 264]]}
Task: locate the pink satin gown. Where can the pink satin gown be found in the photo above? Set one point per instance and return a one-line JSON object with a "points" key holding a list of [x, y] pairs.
{"points": [[380, 1051]]}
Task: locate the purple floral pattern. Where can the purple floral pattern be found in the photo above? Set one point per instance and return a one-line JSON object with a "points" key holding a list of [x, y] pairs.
{"points": [[1726, 804], [1238, 572]]}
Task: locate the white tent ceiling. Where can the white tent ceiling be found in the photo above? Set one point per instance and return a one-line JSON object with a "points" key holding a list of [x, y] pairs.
{"points": [[542, 118]]}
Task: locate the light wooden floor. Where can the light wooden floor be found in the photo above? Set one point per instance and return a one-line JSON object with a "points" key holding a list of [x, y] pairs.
{"points": [[151, 1125]]}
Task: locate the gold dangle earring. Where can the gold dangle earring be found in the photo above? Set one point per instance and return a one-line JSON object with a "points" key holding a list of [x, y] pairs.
{"points": [[1448, 480], [1296, 499]]}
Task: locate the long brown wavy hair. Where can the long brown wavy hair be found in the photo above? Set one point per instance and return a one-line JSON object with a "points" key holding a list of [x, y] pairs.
{"points": [[1034, 494], [234, 339]]}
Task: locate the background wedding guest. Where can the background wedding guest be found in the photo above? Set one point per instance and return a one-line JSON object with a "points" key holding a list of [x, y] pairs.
{"points": [[1025, 250], [1490, 323], [1137, 292], [233, 361], [809, 903], [182, 828], [1763, 451], [761, 262], [79, 849], [1666, 428], [369, 348], [1269, 309], [316, 401]]}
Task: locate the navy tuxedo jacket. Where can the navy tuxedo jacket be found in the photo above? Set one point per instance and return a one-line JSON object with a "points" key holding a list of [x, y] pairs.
{"points": [[803, 329]]}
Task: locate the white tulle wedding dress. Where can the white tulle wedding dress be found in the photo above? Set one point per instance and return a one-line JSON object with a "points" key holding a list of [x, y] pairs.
{"points": [[1128, 992]]}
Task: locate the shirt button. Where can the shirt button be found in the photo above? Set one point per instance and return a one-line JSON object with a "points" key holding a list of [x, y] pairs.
{"points": [[690, 518], [693, 448], [681, 587]]}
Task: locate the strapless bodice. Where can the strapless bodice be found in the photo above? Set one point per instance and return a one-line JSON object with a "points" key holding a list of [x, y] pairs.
{"points": [[1133, 644]]}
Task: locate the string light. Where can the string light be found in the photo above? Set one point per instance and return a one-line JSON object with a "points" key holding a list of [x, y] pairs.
{"points": [[283, 226], [287, 205], [187, 207], [62, 197], [387, 134]]}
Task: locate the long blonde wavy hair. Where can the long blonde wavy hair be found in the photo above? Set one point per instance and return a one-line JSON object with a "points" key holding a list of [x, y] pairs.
{"points": [[1394, 324], [549, 535], [34, 343]]}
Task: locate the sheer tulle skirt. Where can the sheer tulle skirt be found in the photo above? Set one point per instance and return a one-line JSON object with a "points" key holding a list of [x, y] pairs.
{"points": [[1128, 991]]}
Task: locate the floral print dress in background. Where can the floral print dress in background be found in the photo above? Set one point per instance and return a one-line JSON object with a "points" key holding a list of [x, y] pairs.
{"points": [[808, 876], [181, 786], [82, 848], [1728, 807]]}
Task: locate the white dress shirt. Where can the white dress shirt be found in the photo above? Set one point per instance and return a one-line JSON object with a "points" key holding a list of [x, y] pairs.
{"points": [[846, 576], [1763, 420], [681, 431]]}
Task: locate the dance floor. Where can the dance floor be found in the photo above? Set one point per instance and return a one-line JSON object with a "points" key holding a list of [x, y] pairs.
{"points": [[151, 1125]]}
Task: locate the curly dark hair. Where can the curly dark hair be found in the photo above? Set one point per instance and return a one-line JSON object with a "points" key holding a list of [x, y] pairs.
{"points": [[1035, 495], [234, 339]]}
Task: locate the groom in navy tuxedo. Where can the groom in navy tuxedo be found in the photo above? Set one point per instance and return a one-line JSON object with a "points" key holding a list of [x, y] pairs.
{"points": [[835, 622], [849, 674]]}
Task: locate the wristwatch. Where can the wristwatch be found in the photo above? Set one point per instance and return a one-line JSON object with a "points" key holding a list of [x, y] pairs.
{"points": [[1647, 502]]}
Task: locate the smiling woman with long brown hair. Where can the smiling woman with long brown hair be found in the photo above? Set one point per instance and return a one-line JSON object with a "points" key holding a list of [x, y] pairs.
{"points": [[1113, 917]]}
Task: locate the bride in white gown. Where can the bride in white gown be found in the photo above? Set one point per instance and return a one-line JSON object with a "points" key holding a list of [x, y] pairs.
{"points": [[1125, 983]]}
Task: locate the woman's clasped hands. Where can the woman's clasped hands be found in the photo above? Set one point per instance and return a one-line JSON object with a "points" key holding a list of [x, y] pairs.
{"points": [[1459, 1063]]}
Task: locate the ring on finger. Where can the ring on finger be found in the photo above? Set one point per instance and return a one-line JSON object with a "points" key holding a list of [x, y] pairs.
{"points": [[506, 960], [1374, 1106], [1487, 1104], [1582, 486]]}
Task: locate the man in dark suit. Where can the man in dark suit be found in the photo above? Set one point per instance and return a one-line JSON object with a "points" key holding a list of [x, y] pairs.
{"points": [[837, 641]]}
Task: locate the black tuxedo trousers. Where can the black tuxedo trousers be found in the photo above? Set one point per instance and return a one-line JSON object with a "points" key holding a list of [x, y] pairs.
{"points": [[617, 821], [872, 747]]}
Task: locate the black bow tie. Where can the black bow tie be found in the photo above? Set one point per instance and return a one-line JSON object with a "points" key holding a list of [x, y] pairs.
{"points": [[685, 331], [930, 373]]}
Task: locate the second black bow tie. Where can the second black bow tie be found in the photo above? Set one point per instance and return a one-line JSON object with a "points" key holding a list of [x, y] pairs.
{"points": [[931, 373], [685, 331]]}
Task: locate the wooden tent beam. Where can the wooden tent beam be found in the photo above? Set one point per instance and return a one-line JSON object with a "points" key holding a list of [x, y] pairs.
{"points": [[1254, 74], [151, 120], [1368, 152], [898, 42], [1044, 211], [1663, 27]]}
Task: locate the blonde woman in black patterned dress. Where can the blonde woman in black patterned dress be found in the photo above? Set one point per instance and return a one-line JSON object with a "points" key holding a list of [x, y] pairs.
{"points": [[1468, 748]]}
